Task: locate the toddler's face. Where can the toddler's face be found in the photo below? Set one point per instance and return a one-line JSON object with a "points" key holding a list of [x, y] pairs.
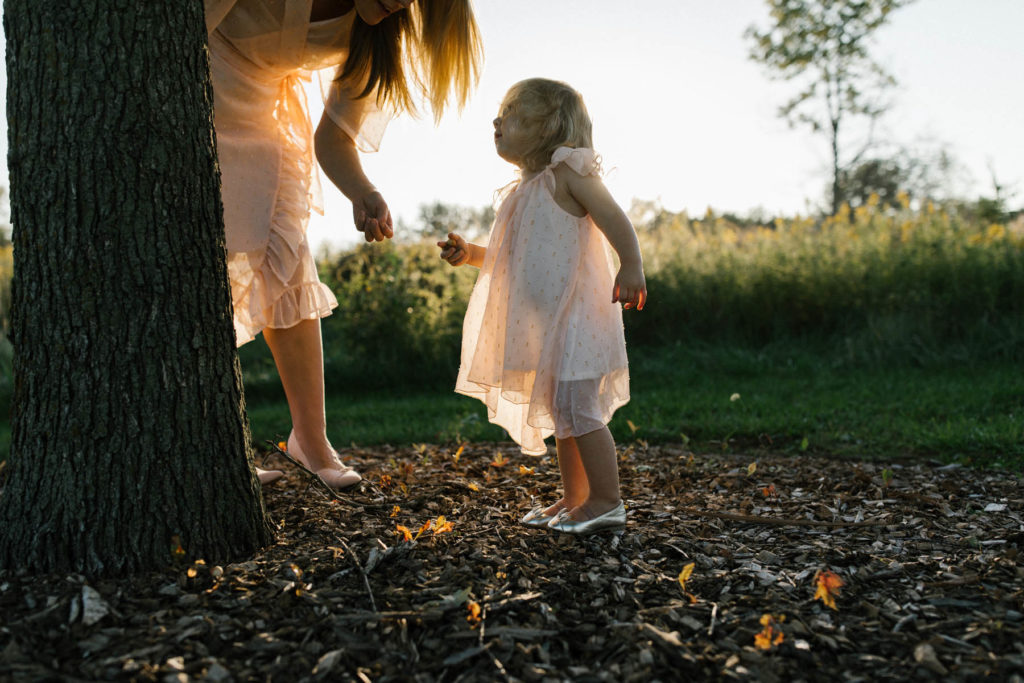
{"points": [[512, 136]]}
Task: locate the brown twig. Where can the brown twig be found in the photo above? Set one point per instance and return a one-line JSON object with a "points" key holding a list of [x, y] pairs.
{"points": [[359, 566], [384, 616]]}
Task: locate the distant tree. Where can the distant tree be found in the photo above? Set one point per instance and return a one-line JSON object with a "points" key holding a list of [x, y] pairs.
{"points": [[130, 440], [438, 219], [926, 171], [996, 208], [932, 172], [883, 178], [822, 44]]}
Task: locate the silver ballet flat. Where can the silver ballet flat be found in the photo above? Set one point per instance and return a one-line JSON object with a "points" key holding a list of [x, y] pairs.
{"points": [[537, 519], [613, 519]]}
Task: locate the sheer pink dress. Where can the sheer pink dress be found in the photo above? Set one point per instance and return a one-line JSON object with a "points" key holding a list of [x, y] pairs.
{"points": [[542, 343], [262, 53]]}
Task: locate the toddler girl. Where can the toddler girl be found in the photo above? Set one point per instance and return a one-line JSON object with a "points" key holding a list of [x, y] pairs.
{"points": [[542, 342]]}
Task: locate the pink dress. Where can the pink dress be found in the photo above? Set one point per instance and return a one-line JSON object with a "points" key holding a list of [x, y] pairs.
{"points": [[262, 52], [542, 343]]}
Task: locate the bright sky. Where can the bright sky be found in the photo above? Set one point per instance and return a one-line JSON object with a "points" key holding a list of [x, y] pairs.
{"points": [[681, 115]]}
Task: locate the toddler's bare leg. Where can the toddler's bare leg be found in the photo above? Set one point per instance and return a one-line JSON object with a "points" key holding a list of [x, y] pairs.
{"points": [[574, 478], [299, 356], [599, 461]]}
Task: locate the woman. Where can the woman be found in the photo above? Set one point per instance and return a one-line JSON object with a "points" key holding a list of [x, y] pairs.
{"points": [[261, 52]]}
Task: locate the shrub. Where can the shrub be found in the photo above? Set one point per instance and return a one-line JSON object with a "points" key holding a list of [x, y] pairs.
{"points": [[868, 277]]}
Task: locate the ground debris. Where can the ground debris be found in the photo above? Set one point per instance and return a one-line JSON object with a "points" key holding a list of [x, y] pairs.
{"points": [[923, 564]]}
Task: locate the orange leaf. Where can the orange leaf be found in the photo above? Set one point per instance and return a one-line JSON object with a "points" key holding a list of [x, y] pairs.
{"points": [[458, 453], [473, 487], [283, 446], [474, 613], [828, 585], [425, 527], [769, 491], [406, 534], [499, 460], [385, 481], [395, 510], [684, 575], [176, 548], [771, 635], [441, 525], [526, 470]]}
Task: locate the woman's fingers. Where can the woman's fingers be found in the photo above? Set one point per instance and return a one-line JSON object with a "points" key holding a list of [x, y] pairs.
{"points": [[374, 219], [382, 218]]}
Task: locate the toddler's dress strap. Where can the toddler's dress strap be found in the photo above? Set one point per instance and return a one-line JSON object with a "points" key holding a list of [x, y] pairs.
{"points": [[583, 160]]}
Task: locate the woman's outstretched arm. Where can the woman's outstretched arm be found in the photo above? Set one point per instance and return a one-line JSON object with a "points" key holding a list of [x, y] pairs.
{"points": [[339, 159]]}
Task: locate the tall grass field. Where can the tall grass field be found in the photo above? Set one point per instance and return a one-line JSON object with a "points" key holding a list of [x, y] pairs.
{"points": [[878, 332]]}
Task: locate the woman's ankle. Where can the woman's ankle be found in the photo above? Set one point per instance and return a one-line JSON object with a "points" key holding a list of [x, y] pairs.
{"points": [[318, 454]]}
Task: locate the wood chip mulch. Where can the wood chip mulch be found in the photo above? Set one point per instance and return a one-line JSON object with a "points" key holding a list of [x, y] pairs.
{"points": [[928, 557]]}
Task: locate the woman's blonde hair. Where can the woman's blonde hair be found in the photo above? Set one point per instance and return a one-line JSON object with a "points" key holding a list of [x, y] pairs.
{"points": [[555, 112], [432, 48]]}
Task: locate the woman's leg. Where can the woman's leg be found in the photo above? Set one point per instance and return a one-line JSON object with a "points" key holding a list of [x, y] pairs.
{"points": [[574, 478], [299, 356], [600, 463]]}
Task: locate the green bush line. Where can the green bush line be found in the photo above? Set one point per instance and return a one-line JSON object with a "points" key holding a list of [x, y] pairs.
{"points": [[881, 285], [901, 295]]}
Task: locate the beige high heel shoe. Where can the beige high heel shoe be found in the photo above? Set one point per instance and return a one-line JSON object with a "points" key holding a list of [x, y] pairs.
{"points": [[337, 477], [268, 476]]}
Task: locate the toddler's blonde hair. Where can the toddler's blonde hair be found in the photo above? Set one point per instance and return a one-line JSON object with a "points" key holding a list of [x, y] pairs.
{"points": [[555, 111]]}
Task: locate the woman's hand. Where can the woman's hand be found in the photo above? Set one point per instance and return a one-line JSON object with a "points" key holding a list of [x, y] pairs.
{"points": [[630, 287], [372, 217], [455, 251]]}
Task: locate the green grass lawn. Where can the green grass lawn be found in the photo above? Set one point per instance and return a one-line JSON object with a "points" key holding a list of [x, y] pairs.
{"points": [[782, 398], [718, 398]]}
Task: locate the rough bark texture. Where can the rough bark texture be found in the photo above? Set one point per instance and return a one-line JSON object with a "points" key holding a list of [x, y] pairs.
{"points": [[129, 429]]}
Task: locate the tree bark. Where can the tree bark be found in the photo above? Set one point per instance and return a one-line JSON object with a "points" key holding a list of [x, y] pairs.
{"points": [[129, 428]]}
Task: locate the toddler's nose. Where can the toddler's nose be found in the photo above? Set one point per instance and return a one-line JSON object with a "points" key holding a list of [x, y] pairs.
{"points": [[497, 123]]}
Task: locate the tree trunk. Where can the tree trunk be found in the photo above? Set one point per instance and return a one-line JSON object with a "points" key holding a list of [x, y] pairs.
{"points": [[837, 198], [129, 428]]}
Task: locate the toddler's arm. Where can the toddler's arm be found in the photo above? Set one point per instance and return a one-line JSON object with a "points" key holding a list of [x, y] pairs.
{"points": [[459, 252], [630, 285]]}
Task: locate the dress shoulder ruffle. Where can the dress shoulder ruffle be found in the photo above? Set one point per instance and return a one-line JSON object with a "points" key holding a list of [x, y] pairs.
{"points": [[583, 160]]}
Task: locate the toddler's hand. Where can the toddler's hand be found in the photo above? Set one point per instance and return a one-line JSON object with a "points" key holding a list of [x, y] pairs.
{"points": [[455, 250], [372, 217], [630, 287]]}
